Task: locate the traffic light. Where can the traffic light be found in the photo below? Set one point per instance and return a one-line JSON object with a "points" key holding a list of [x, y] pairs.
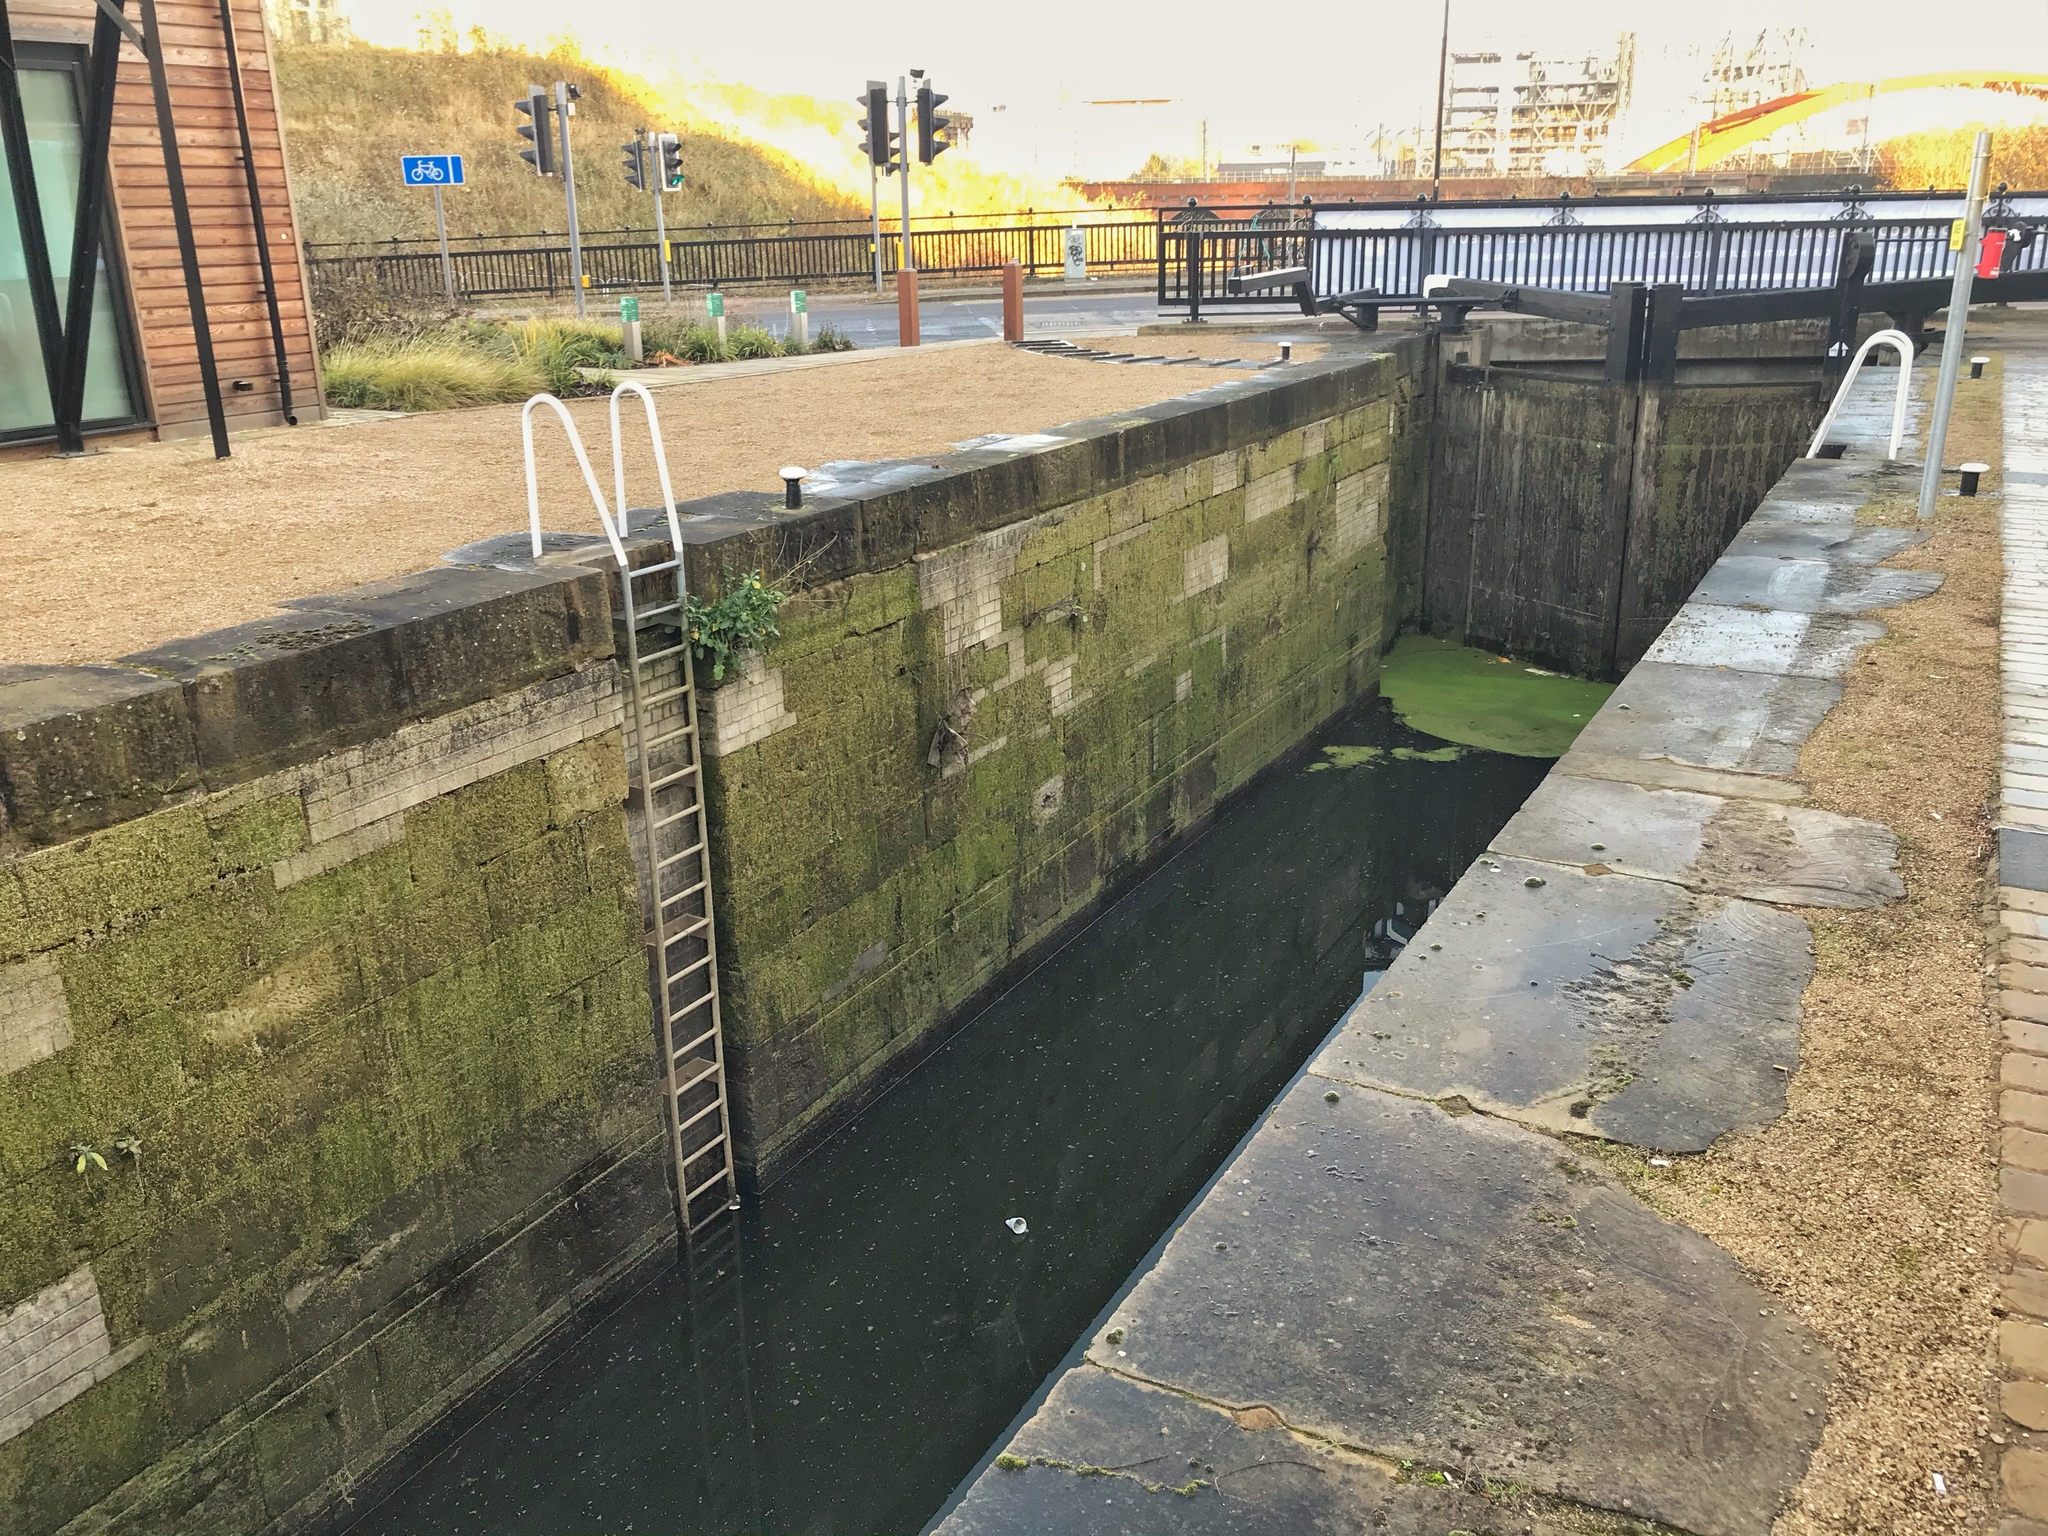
{"points": [[635, 150], [535, 105], [931, 122], [668, 150], [874, 128]]}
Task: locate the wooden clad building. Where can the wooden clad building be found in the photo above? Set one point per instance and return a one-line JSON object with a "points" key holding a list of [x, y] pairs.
{"points": [[144, 375]]}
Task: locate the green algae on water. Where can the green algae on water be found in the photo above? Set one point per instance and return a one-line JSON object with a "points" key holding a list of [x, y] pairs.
{"points": [[1348, 757], [1478, 699]]}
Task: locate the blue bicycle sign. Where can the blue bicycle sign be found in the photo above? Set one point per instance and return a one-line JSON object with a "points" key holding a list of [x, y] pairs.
{"points": [[431, 170]]}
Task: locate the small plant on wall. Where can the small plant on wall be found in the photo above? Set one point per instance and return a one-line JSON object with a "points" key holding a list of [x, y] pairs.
{"points": [[741, 619]]}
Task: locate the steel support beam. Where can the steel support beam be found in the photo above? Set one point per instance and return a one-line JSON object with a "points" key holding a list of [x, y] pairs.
{"points": [[86, 233], [28, 214], [181, 216], [284, 371]]}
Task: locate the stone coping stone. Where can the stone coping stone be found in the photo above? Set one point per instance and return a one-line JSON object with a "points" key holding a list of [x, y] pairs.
{"points": [[1772, 642], [88, 747], [1441, 1289], [1600, 1005], [1791, 855], [84, 747], [331, 672], [1793, 585], [1745, 722]]}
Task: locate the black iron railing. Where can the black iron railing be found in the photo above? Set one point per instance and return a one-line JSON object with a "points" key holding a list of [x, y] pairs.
{"points": [[1770, 243], [1197, 262], [541, 266]]}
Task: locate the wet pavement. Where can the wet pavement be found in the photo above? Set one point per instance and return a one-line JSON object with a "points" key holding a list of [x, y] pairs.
{"points": [[1411, 1302]]}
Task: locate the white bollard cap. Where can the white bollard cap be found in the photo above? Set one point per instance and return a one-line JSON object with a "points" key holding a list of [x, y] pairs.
{"points": [[794, 472], [1973, 469], [1980, 359]]}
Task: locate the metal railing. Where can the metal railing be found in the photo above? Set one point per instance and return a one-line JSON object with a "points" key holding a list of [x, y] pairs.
{"points": [[1709, 246], [542, 266], [1197, 261]]}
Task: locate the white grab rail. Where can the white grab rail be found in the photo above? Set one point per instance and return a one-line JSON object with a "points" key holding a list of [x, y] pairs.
{"points": [[612, 520], [668, 493], [583, 462], [1899, 342]]}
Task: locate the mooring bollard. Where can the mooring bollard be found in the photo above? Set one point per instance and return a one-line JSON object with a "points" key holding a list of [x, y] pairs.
{"points": [[1013, 301], [906, 307], [1970, 473], [793, 487], [1977, 367]]}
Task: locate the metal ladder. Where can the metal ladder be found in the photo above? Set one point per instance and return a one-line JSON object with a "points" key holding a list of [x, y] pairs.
{"points": [[664, 773]]}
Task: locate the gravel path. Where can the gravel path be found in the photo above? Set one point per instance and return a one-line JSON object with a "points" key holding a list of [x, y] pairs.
{"points": [[129, 548]]}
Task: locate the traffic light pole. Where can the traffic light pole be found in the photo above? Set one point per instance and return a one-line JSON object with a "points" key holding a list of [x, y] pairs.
{"points": [[875, 209], [661, 237], [903, 168], [569, 190]]}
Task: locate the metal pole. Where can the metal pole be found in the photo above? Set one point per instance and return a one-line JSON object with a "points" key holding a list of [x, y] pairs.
{"points": [[1443, 65], [875, 212], [90, 221], [262, 232], [569, 190], [447, 262], [903, 162], [661, 221], [181, 217], [28, 212], [1952, 347]]}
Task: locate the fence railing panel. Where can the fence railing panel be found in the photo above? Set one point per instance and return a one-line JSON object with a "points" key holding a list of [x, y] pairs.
{"points": [[1704, 256]]}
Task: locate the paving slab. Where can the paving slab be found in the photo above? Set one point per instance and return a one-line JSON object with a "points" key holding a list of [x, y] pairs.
{"points": [[1744, 640], [1788, 854], [1809, 586], [1606, 1005], [1464, 1294], [1752, 722], [1663, 773], [1107, 1453]]}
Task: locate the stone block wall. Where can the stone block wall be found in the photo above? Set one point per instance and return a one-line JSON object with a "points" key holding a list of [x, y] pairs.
{"points": [[1015, 673], [319, 945]]}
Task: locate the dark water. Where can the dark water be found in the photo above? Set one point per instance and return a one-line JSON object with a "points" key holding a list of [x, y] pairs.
{"points": [[881, 1326]]}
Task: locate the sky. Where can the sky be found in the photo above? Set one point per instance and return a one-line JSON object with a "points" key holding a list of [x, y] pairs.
{"points": [[1317, 71]]}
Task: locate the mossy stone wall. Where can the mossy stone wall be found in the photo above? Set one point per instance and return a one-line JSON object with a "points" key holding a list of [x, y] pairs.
{"points": [[363, 1044], [957, 748]]}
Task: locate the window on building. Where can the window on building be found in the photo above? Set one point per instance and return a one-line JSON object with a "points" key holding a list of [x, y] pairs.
{"points": [[51, 81]]}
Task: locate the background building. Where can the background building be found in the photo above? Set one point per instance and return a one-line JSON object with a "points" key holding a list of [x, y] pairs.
{"points": [[144, 373]]}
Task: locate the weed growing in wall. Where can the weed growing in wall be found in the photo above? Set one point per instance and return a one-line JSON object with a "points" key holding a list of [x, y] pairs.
{"points": [[742, 619]]}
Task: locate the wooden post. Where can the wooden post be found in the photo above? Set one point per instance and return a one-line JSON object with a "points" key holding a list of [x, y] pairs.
{"points": [[1013, 302], [906, 307]]}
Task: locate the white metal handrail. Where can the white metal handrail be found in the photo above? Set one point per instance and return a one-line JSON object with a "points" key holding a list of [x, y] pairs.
{"points": [[613, 518], [668, 493], [1899, 342], [582, 462]]}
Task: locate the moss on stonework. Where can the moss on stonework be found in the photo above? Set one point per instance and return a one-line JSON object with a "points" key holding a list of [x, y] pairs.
{"points": [[252, 836], [99, 880], [1481, 699]]}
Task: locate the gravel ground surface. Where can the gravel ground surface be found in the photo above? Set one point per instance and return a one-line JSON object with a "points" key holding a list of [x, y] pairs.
{"points": [[1871, 1206], [128, 548]]}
